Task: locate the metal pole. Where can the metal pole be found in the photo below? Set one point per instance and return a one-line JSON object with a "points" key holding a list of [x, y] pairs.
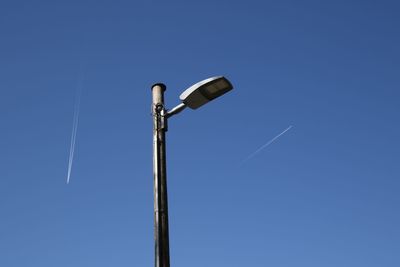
{"points": [[161, 236]]}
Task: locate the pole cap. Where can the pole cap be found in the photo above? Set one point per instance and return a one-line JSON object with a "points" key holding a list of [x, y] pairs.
{"points": [[163, 86]]}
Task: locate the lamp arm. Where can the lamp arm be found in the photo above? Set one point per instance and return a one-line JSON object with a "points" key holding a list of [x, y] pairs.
{"points": [[175, 110]]}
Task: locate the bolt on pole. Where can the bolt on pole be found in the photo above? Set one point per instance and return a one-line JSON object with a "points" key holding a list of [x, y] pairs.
{"points": [[161, 235]]}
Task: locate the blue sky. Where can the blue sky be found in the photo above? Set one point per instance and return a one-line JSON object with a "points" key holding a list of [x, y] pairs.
{"points": [[326, 193]]}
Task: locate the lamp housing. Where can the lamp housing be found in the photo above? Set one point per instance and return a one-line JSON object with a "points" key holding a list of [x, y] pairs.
{"points": [[205, 91]]}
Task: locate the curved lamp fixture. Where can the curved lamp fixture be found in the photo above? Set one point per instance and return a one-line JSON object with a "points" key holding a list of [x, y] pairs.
{"points": [[205, 91], [201, 93]]}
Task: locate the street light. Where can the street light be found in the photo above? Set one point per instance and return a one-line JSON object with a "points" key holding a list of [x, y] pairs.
{"points": [[193, 97]]}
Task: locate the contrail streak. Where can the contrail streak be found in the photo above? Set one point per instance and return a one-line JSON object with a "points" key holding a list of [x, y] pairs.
{"points": [[75, 122], [266, 144]]}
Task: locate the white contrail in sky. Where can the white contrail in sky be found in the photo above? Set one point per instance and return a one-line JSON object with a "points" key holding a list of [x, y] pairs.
{"points": [[75, 123], [266, 144]]}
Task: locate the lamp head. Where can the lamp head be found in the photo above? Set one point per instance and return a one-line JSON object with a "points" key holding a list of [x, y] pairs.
{"points": [[205, 91]]}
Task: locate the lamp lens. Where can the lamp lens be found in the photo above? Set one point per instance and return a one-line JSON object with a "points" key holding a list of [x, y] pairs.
{"points": [[216, 89]]}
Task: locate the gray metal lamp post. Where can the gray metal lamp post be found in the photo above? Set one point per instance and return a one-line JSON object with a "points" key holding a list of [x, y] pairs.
{"points": [[193, 97]]}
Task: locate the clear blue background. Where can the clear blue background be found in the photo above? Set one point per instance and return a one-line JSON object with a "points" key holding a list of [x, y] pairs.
{"points": [[324, 194]]}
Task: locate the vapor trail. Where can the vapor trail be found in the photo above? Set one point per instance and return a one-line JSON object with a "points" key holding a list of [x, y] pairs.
{"points": [[75, 122], [266, 144]]}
